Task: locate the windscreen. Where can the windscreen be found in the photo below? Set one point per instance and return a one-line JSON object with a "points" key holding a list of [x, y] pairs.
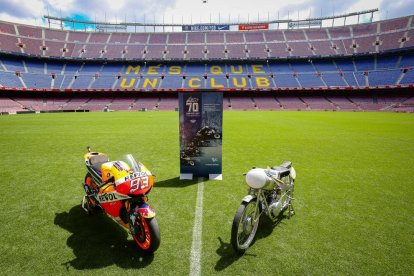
{"points": [[133, 163]]}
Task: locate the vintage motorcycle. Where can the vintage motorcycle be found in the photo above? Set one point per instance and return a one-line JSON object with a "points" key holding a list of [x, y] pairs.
{"points": [[120, 189], [270, 192]]}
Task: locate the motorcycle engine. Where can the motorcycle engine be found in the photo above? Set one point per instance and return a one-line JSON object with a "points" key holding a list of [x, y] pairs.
{"points": [[275, 206]]}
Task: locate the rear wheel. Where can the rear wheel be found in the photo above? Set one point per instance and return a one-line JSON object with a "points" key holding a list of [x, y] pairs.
{"points": [[88, 203], [245, 225], [146, 233], [287, 204], [89, 185], [291, 211]]}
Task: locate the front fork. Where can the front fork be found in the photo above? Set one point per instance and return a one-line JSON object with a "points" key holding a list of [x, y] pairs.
{"points": [[139, 209], [259, 208]]}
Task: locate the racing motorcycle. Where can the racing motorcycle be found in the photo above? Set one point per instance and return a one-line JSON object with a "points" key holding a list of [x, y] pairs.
{"points": [[271, 193], [120, 189]]}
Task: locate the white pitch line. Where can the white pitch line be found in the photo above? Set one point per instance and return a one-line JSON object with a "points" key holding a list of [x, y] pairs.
{"points": [[195, 255]]}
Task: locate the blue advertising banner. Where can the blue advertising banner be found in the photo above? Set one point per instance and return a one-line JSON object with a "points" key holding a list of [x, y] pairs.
{"points": [[201, 132], [201, 28], [311, 23]]}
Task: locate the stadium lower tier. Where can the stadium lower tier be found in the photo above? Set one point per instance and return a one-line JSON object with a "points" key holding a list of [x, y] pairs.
{"points": [[327, 73], [396, 100]]}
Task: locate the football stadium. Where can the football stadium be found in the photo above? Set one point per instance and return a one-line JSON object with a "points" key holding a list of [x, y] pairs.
{"points": [[332, 94]]}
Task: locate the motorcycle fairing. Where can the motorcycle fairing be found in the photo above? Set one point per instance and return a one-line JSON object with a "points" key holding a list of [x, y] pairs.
{"points": [[96, 174], [135, 186]]}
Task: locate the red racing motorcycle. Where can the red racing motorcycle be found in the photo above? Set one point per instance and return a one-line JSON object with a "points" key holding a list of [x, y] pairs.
{"points": [[120, 189]]}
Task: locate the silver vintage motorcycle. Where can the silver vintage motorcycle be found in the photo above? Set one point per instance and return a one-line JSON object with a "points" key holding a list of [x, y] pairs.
{"points": [[270, 192]]}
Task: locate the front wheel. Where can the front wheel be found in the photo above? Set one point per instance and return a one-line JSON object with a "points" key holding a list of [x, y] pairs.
{"points": [[245, 225], [146, 233]]}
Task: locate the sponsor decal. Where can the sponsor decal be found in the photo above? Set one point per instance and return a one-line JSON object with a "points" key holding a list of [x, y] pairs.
{"points": [[131, 177], [249, 27], [118, 166], [110, 197]]}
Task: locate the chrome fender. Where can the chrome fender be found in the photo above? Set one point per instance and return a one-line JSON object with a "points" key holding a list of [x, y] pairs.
{"points": [[248, 198]]}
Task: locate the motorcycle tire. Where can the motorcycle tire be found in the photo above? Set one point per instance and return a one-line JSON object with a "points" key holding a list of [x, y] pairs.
{"points": [[243, 230], [87, 203], [88, 181], [146, 234]]}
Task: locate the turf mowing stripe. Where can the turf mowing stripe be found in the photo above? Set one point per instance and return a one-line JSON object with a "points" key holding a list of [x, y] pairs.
{"points": [[195, 255]]}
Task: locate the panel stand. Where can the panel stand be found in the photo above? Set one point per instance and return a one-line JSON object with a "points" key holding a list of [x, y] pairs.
{"points": [[215, 176], [186, 176]]}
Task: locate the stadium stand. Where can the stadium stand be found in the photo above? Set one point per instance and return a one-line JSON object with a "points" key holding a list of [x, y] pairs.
{"points": [[362, 38], [371, 56], [376, 71]]}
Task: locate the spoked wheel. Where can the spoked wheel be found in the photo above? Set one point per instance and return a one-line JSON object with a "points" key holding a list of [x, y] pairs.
{"points": [[244, 226], [146, 234]]}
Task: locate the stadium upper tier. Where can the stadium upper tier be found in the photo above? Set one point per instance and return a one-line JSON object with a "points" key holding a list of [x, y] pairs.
{"points": [[370, 71], [216, 45]]}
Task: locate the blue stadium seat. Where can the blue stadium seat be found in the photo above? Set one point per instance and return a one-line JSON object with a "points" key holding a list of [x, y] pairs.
{"points": [[364, 63], [387, 62], [280, 67], [345, 64], [309, 80], [408, 77], [37, 80], [13, 65], [333, 79], [103, 82], [9, 79], [35, 66], [302, 66], [385, 77], [82, 82], [285, 80], [171, 82]]}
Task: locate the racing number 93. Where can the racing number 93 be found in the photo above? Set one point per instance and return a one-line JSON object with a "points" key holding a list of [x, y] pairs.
{"points": [[138, 183]]}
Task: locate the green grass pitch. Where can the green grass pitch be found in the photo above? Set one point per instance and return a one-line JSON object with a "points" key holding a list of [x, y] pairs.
{"points": [[354, 194]]}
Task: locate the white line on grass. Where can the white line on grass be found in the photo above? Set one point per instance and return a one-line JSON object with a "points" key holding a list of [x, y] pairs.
{"points": [[195, 255]]}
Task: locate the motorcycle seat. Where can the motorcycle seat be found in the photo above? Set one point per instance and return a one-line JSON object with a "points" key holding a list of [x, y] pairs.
{"points": [[287, 164], [281, 170], [96, 161]]}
